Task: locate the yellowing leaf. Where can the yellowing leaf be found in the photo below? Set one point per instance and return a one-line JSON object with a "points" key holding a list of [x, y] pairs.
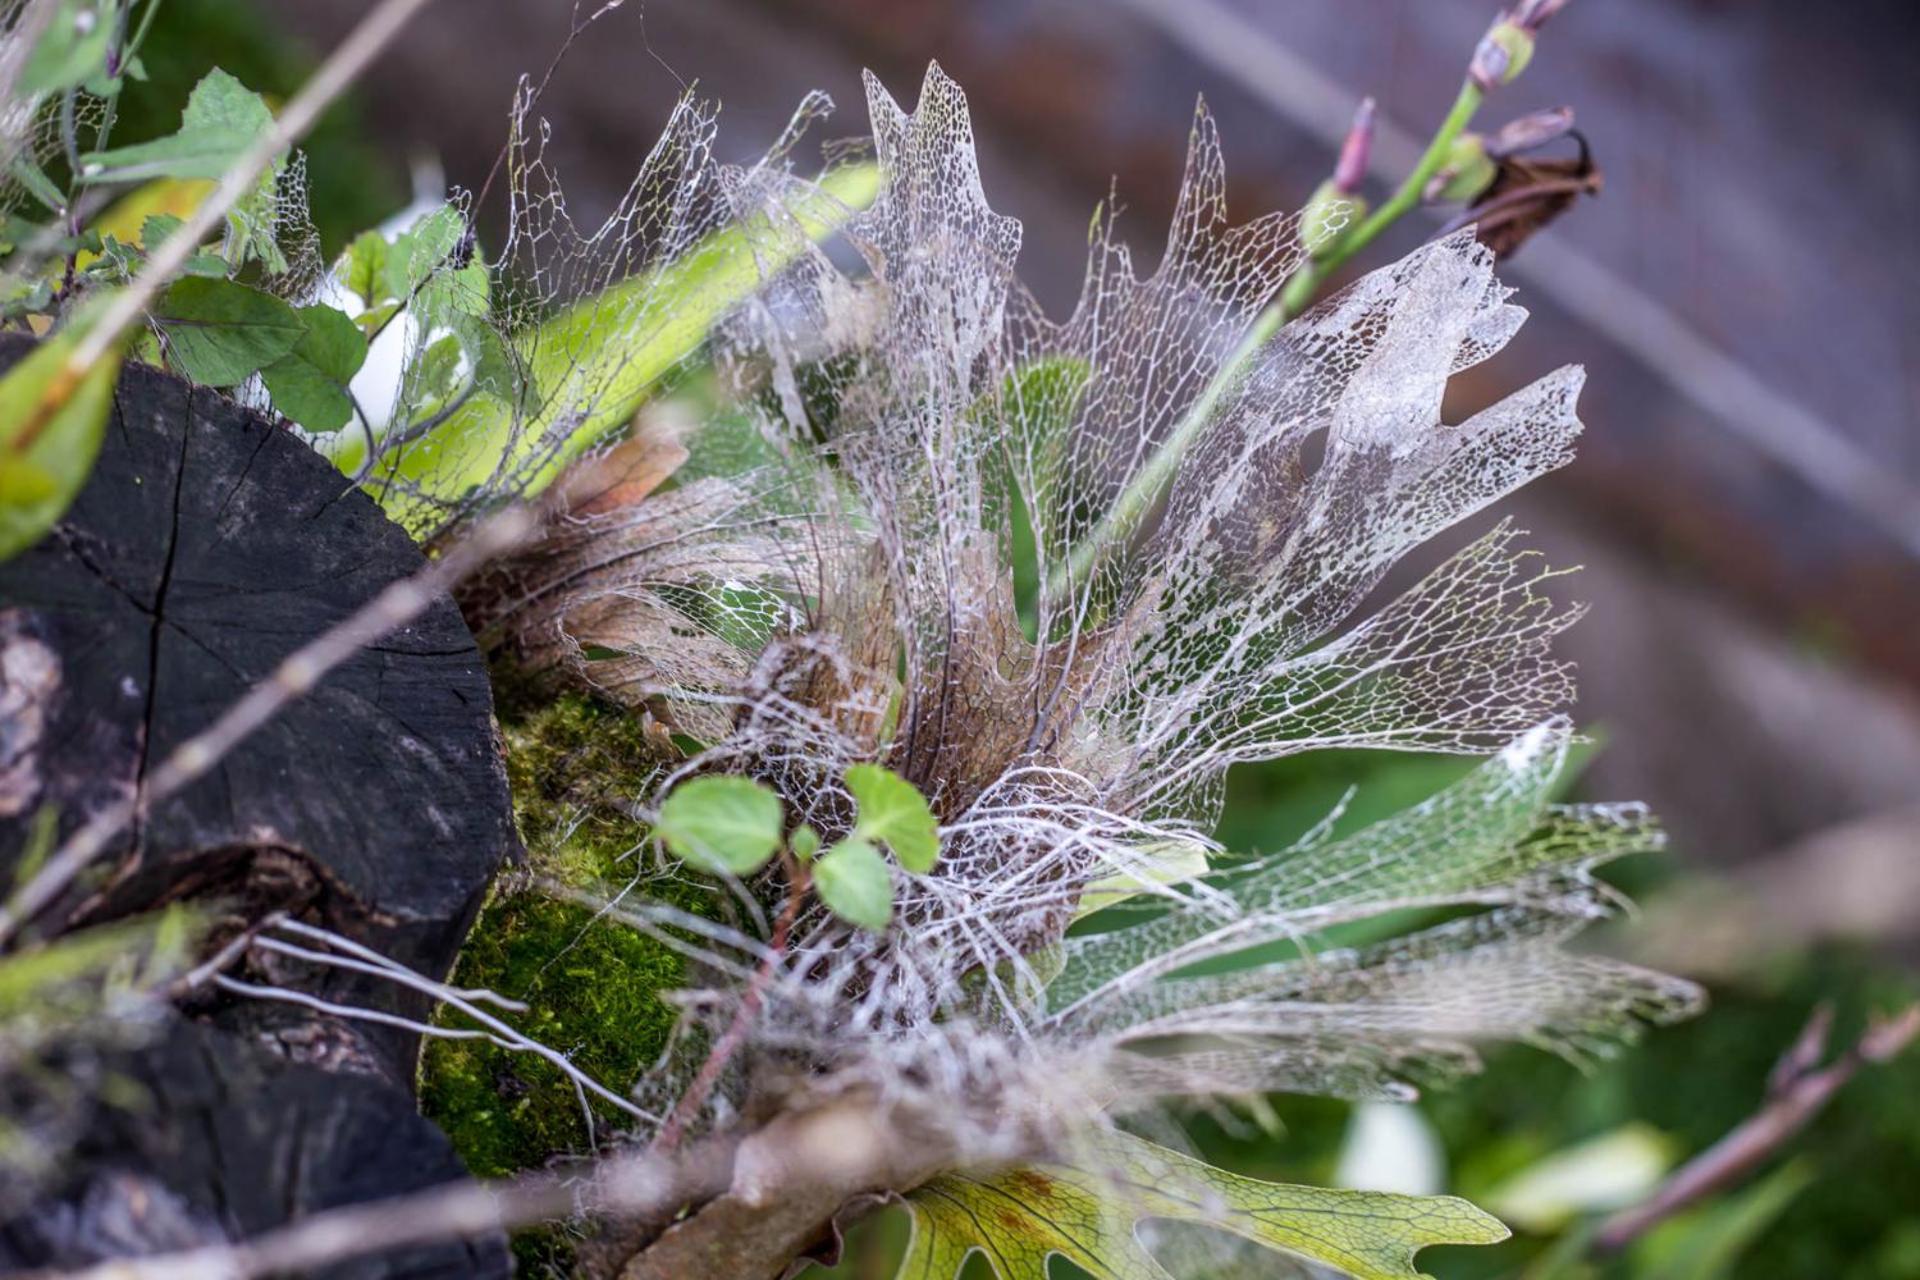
{"points": [[1020, 1219], [127, 217], [587, 353], [1174, 862], [51, 424]]}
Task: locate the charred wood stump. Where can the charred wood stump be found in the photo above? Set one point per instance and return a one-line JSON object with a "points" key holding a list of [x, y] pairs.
{"points": [[208, 544]]}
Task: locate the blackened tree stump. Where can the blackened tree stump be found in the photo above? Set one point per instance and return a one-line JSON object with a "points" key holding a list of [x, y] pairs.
{"points": [[207, 545]]}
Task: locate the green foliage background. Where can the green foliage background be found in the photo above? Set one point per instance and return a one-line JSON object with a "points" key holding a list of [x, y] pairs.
{"points": [[354, 181]]}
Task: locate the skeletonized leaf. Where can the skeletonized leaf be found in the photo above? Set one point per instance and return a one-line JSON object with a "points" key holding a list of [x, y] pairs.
{"points": [[309, 383], [219, 332], [721, 824], [1020, 1219], [413, 257], [591, 345], [894, 813], [50, 430]]}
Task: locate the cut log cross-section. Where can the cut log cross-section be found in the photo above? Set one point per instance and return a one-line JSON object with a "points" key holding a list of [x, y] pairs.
{"points": [[208, 544]]}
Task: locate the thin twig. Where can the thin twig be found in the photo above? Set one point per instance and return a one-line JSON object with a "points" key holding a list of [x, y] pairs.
{"points": [[210, 968], [397, 605], [729, 1043], [355, 1013], [377, 453], [17, 51], [638, 1185], [1796, 1093], [499, 1032], [386, 963], [341, 68]]}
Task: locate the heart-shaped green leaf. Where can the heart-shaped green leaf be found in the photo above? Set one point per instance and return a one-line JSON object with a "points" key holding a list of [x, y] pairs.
{"points": [[855, 883], [219, 333], [894, 813], [309, 383], [721, 824]]}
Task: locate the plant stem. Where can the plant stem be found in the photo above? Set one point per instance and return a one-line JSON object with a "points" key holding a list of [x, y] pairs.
{"points": [[1300, 290], [1121, 519], [375, 31], [730, 1040]]}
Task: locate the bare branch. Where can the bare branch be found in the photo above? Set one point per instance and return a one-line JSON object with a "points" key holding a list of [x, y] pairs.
{"points": [[764, 1199], [340, 69], [1795, 1094], [644, 1185]]}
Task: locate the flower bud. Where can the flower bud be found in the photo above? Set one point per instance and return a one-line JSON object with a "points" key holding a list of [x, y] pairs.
{"points": [[1467, 171], [1503, 54], [1337, 204], [1327, 216], [1351, 170], [1530, 132]]}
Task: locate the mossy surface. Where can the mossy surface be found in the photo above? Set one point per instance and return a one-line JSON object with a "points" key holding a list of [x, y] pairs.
{"points": [[592, 987]]}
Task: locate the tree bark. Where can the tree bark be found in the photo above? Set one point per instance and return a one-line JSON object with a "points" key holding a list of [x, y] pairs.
{"points": [[208, 543]]}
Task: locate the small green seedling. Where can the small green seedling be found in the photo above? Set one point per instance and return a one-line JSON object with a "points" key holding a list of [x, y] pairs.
{"points": [[733, 825]]}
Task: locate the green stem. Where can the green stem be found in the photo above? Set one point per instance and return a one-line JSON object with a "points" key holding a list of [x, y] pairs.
{"points": [[1306, 282], [1118, 524]]}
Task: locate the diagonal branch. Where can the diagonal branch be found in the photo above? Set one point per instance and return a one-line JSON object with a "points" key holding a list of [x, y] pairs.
{"points": [[1796, 1092]]}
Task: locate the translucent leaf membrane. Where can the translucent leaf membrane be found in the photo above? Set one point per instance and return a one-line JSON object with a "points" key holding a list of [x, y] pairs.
{"points": [[1061, 575], [568, 330]]}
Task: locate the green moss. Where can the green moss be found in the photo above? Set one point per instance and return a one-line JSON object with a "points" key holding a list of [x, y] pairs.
{"points": [[592, 986]]}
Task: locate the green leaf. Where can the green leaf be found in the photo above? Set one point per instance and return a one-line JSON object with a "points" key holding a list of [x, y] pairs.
{"points": [[1020, 1219], [309, 383], [419, 251], [68, 978], [436, 369], [73, 49], [1596, 1175], [588, 352], [894, 813], [855, 883], [363, 269], [805, 842], [219, 332], [1710, 1242], [156, 228], [721, 824], [153, 233], [223, 118], [51, 425], [34, 180], [1166, 862]]}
